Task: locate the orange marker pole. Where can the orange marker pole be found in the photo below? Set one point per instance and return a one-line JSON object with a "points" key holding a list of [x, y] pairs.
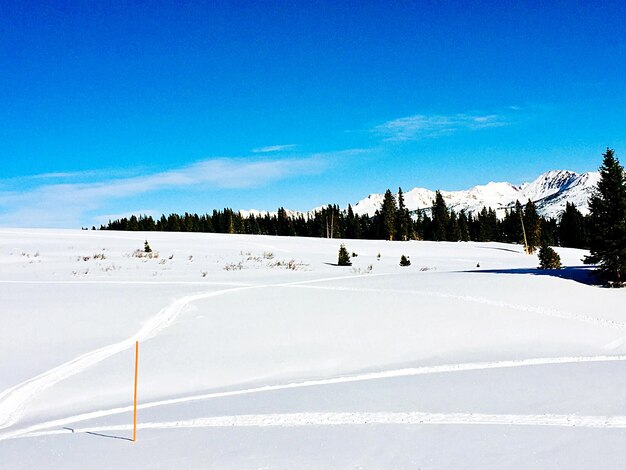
{"points": [[135, 401]]}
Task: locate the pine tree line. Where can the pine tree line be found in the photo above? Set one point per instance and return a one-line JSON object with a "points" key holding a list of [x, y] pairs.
{"points": [[392, 221]]}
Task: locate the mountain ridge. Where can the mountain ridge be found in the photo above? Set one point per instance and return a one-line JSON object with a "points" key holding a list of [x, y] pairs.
{"points": [[550, 192]]}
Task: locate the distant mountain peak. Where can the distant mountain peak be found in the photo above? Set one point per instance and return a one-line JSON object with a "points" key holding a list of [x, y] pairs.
{"points": [[550, 191]]}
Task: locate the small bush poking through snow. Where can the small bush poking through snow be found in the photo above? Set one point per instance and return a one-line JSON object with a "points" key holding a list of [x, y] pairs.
{"points": [[405, 261], [142, 254], [361, 271], [233, 266], [344, 257], [548, 258]]}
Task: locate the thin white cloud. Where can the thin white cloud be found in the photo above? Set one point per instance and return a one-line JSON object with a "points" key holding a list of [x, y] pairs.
{"points": [[425, 126], [63, 205], [103, 219], [275, 148], [60, 175]]}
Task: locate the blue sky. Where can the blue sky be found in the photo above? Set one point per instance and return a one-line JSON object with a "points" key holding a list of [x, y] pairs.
{"points": [[110, 108]]}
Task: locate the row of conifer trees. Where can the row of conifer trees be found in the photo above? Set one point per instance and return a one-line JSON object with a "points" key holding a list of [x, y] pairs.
{"points": [[392, 221]]}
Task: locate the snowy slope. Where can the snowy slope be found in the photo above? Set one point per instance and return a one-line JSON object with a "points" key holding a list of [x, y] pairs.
{"points": [[257, 352], [549, 191]]}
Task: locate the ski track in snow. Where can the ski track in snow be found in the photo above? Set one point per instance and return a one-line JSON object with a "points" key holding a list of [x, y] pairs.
{"points": [[14, 400], [37, 428], [364, 418], [104, 281], [596, 321]]}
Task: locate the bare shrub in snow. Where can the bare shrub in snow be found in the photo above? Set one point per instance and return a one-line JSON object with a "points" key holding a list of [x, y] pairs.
{"points": [[233, 266], [292, 264]]}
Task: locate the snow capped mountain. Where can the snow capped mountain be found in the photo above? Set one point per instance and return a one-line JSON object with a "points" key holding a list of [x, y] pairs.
{"points": [[550, 191]]}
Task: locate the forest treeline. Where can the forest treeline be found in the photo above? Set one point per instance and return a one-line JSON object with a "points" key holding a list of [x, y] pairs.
{"points": [[393, 221], [603, 231]]}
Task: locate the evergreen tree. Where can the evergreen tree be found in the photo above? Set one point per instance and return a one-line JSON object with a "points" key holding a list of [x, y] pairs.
{"points": [[133, 224], [353, 227], [405, 261], [485, 229], [548, 258], [572, 230], [388, 214], [453, 232], [532, 225], [607, 207], [512, 224], [344, 257], [464, 226], [549, 231], [440, 217], [403, 219], [284, 224], [146, 247]]}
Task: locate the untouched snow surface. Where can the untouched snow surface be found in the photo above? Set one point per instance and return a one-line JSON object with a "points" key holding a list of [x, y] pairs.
{"points": [[258, 352]]}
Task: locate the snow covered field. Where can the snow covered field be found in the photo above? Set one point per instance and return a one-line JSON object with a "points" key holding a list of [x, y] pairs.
{"points": [[258, 352]]}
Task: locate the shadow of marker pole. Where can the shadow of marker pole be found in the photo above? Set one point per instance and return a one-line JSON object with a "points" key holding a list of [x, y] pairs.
{"points": [[135, 399]]}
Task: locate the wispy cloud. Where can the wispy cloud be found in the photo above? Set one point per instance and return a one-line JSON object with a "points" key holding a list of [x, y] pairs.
{"points": [[426, 126], [103, 219], [275, 148], [65, 204]]}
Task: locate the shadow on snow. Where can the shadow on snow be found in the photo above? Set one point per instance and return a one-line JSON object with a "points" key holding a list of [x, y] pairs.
{"points": [[582, 274]]}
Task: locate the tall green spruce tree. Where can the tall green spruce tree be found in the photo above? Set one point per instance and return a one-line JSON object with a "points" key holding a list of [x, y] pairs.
{"points": [[453, 232], [388, 213], [463, 226], [572, 229], [607, 207], [441, 217], [403, 219]]}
